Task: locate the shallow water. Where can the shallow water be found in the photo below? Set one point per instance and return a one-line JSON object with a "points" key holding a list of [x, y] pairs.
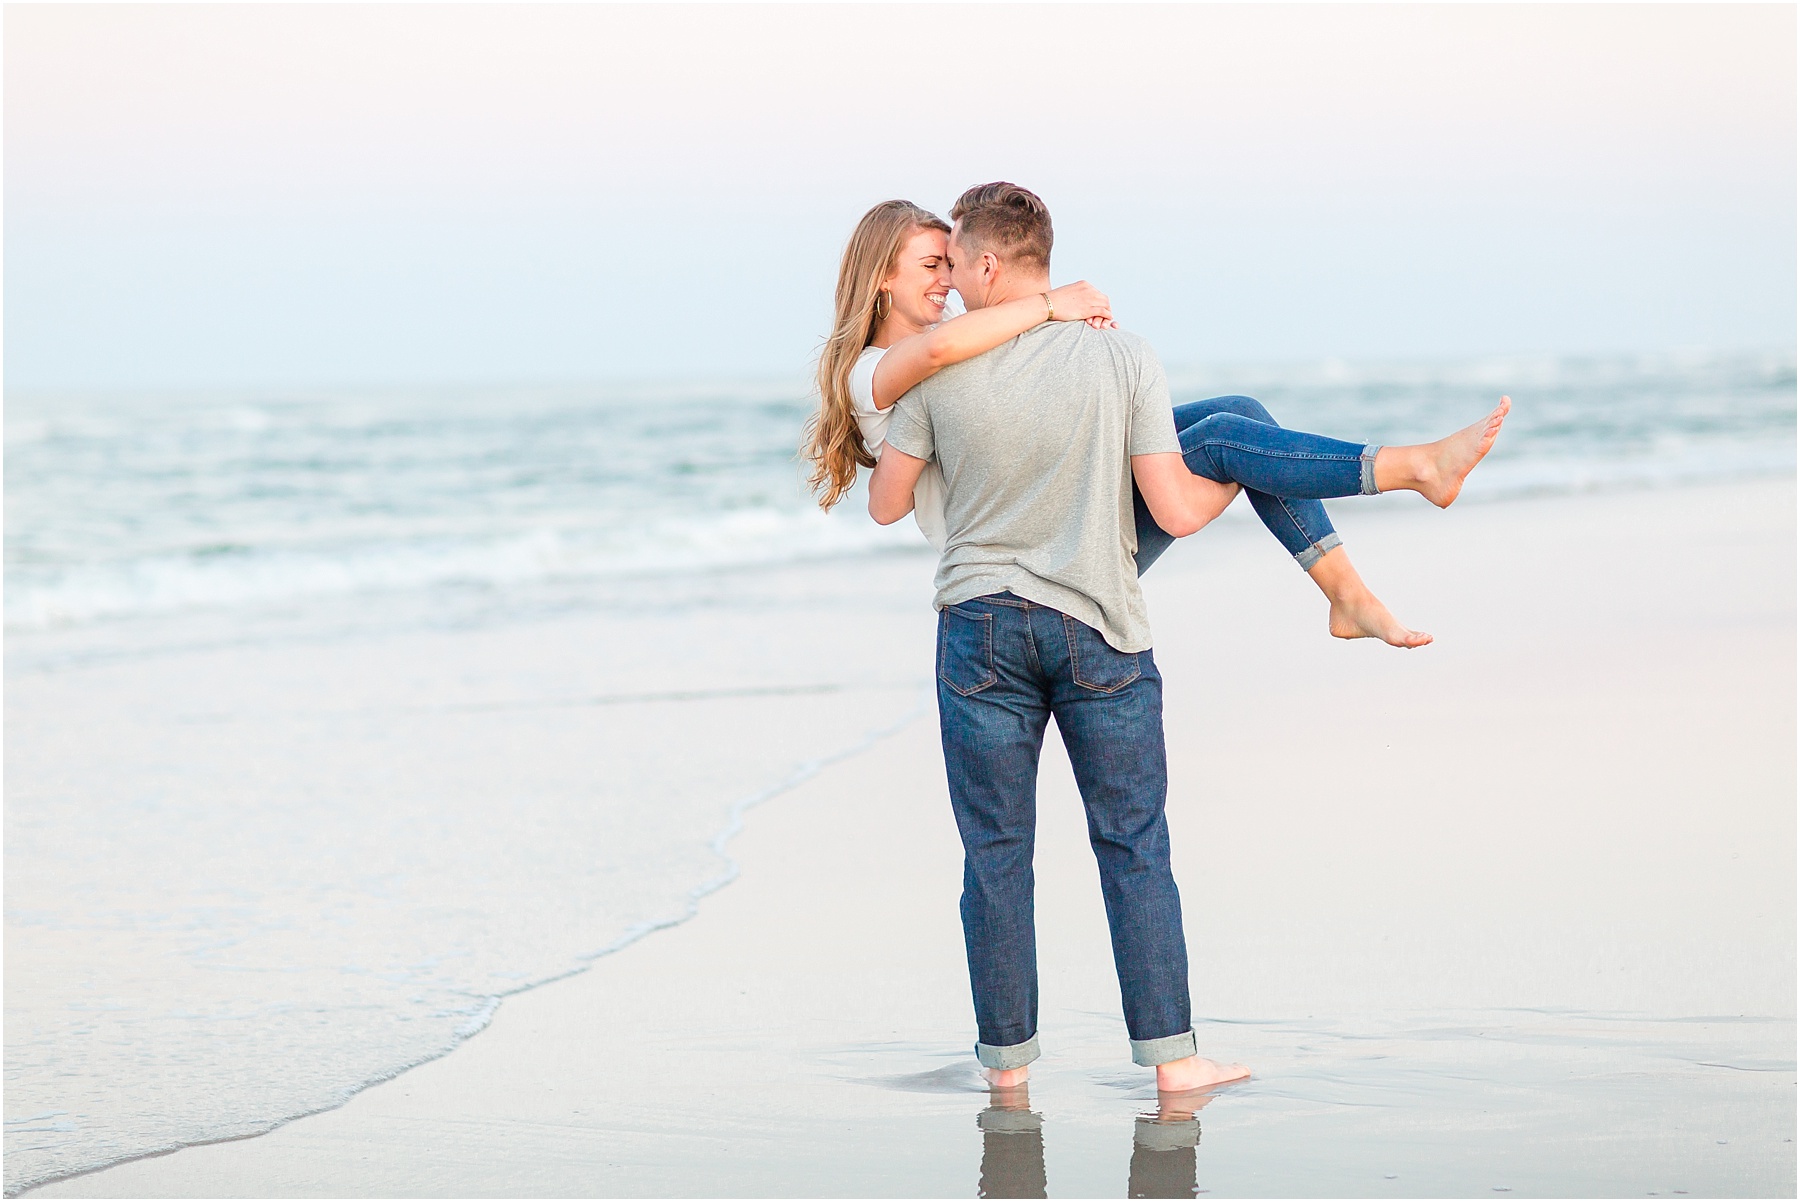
{"points": [[1450, 1104]]}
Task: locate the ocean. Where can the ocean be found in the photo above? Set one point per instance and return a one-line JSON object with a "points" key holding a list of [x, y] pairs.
{"points": [[333, 717], [124, 507]]}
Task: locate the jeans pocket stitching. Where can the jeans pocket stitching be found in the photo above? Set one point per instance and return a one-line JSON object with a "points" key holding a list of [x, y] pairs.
{"points": [[1137, 667], [987, 648]]}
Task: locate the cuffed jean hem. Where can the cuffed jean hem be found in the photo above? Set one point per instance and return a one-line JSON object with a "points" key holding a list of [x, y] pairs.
{"points": [[1313, 554], [1368, 470], [1014, 1055], [1152, 1052]]}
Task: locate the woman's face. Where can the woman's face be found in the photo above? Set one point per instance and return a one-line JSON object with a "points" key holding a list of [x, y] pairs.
{"points": [[921, 279]]}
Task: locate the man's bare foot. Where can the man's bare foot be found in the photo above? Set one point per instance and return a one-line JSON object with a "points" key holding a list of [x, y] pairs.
{"points": [[1005, 1078], [1437, 470], [1359, 614], [1196, 1072], [1017, 1097]]}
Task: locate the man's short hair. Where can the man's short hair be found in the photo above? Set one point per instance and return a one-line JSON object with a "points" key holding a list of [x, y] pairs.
{"points": [[1007, 220]]}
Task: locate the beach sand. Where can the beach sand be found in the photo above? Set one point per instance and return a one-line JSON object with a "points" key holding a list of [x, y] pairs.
{"points": [[1512, 913]]}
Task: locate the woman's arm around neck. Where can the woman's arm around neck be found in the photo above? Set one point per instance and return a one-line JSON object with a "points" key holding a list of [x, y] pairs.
{"points": [[919, 356]]}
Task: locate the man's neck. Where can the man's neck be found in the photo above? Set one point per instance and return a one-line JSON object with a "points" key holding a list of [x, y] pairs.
{"points": [[1014, 289]]}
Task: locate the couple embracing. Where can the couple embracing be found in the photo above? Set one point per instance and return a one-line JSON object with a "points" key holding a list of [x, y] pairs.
{"points": [[1036, 445]]}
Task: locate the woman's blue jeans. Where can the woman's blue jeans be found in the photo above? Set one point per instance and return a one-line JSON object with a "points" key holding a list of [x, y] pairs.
{"points": [[1233, 439]]}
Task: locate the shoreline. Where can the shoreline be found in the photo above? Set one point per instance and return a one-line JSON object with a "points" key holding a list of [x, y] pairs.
{"points": [[788, 1053], [733, 868]]}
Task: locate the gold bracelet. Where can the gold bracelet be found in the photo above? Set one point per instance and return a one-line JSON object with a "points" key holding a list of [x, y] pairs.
{"points": [[1049, 308]]}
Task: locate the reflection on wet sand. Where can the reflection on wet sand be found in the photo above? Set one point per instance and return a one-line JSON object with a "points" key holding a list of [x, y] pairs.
{"points": [[1012, 1147], [1163, 1148]]}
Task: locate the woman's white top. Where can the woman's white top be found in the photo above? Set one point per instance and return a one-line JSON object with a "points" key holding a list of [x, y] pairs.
{"points": [[928, 493]]}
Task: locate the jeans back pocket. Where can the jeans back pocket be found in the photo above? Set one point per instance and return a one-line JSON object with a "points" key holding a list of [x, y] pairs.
{"points": [[966, 649], [1094, 663]]}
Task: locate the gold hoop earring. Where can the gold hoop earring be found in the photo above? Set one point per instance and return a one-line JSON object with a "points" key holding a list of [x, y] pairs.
{"points": [[884, 304]]}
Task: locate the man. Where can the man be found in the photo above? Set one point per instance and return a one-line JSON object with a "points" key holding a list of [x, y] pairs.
{"points": [[1040, 614]]}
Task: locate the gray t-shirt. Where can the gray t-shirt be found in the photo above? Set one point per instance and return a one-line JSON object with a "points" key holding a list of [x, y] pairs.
{"points": [[1035, 440]]}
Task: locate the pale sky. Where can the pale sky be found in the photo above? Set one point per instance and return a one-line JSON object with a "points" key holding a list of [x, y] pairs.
{"points": [[299, 196]]}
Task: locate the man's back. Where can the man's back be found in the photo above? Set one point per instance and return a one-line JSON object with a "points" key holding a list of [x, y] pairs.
{"points": [[1034, 439]]}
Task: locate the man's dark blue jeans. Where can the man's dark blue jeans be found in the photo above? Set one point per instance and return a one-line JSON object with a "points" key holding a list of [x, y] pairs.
{"points": [[1005, 666]]}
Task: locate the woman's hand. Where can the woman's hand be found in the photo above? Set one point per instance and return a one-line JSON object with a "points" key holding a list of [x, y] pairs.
{"points": [[1081, 301]]}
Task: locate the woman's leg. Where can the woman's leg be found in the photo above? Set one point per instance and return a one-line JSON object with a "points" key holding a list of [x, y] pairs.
{"points": [[1234, 439], [1436, 470], [1300, 524], [1271, 458], [1294, 464], [1356, 612]]}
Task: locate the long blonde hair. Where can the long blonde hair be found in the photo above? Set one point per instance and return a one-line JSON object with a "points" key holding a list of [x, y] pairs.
{"points": [[831, 440]]}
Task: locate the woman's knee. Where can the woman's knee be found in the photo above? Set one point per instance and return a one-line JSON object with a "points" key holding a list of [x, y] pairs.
{"points": [[1198, 411], [1245, 406], [1200, 441], [1220, 427]]}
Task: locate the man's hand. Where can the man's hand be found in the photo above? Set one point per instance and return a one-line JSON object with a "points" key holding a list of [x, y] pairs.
{"points": [[1180, 501], [891, 487]]}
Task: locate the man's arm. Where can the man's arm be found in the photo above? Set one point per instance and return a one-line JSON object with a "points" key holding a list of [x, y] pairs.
{"points": [[891, 486], [1180, 501]]}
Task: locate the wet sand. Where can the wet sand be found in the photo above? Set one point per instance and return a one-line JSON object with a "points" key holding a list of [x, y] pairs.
{"points": [[1513, 913]]}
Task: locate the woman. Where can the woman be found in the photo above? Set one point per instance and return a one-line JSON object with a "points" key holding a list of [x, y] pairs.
{"points": [[889, 334]]}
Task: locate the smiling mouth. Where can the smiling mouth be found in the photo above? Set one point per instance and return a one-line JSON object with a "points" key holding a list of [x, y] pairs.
{"points": [[938, 298]]}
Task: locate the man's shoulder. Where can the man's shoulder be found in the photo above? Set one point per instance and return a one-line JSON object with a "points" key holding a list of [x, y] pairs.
{"points": [[1067, 342], [973, 372], [1078, 336], [1133, 344], [1120, 357]]}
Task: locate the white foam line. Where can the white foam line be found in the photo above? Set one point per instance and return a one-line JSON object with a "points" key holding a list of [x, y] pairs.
{"points": [[489, 1004], [735, 823]]}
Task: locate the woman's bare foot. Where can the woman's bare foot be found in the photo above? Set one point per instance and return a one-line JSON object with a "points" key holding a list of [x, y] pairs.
{"points": [[1005, 1078], [1436, 470], [1361, 615], [1357, 613], [1196, 1072]]}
